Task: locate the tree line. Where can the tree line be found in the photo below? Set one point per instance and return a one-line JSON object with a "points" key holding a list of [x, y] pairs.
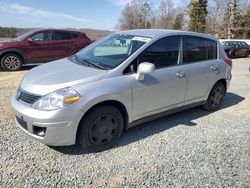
{"points": [[8, 32], [222, 18], [12, 32]]}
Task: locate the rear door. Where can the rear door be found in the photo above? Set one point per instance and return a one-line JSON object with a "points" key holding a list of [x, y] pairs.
{"points": [[200, 59], [165, 88], [63, 45], [80, 41]]}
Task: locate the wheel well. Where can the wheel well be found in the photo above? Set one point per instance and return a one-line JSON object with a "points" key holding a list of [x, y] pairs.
{"points": [[115, 104], [12, 52], [223, 81]]}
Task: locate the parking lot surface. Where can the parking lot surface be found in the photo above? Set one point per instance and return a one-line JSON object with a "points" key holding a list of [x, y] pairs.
{"points": [[190, 148]]}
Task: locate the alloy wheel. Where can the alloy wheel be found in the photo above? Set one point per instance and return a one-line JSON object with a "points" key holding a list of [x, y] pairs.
{"points": [[12, 62]]}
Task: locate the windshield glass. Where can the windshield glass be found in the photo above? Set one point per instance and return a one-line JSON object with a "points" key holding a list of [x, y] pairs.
{"points": [[112, 50], [24, 36]]}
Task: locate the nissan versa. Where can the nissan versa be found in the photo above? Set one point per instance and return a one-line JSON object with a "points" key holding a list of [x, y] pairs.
{"points": [[120, 81]]}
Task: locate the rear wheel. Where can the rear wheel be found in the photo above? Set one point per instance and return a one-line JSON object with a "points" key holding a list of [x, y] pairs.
{"points": [[11, 62], [101, 128], [215, 97]]}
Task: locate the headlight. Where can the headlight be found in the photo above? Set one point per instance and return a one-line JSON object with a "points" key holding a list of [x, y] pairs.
{"points": [[57, 99]]}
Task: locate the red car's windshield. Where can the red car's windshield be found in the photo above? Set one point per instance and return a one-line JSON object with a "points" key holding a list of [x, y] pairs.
{"points": [[24, 36]]}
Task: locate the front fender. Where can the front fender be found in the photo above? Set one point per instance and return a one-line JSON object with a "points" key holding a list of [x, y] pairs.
{"points": [[114, 89], [14, 50]]}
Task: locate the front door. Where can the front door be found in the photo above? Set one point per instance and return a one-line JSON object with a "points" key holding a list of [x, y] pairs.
{"points": [[165, 88], [39, 50]]}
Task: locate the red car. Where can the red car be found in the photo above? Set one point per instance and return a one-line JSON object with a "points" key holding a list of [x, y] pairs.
{"points": [[40, 46]]}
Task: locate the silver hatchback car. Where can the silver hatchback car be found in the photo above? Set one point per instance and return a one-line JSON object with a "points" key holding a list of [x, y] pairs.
{"points": [[120, 81]]}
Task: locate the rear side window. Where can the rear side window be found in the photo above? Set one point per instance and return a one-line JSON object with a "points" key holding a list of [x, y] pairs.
{"points": [[74, 35], [199, 49], [163, 53], [61, 36]]}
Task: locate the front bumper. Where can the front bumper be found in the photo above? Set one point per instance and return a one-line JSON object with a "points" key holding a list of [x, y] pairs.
{"points": [[60, 126]]}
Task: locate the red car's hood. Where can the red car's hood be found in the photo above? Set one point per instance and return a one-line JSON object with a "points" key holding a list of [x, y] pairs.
{"points": [[7, 41]]}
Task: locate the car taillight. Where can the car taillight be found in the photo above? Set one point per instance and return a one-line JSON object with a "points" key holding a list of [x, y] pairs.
{"points": [[228, 61]]}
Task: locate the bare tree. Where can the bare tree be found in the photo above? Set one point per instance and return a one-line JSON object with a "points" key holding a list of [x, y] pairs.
{"points": [[127, 20], [215, 15], [234, 20], [166, 14], [136, 15]]}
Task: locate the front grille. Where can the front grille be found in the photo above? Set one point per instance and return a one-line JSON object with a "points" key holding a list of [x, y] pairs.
{"points": [[22, 123], [28, 97]]}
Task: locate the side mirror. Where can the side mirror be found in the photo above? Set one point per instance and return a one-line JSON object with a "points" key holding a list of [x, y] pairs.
{"points": [[30, 40], [144, 68]]}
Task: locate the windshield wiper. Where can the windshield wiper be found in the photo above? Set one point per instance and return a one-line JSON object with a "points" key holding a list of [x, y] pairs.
{"points": [[76, 58], [89, 63]]}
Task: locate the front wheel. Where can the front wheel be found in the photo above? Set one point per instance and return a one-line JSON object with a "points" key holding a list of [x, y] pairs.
{"points": [[215, 97], [11, 62], [101, 128]]}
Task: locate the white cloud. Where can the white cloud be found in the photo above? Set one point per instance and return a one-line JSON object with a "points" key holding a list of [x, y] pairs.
{"points": [[120, 3], [29, 11]]}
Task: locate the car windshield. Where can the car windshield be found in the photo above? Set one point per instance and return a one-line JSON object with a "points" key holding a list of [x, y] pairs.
{"points": [[24, 36], [111, 51]]}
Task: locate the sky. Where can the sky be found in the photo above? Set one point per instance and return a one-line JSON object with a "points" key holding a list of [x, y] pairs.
{"points": [[96, 14]]}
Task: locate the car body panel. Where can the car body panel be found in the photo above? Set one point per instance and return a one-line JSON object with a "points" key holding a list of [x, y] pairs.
{"points": [[58, 74], [155, 89], [200, 77], [59, 123]]}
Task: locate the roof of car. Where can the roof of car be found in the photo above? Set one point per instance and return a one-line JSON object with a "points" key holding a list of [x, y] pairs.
{"points": [[152, 33], [51, 29]]}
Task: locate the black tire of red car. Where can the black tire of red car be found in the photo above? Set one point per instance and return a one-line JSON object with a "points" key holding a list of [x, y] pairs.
{"points": [[11, 62], [100, 129], [215, 97]]}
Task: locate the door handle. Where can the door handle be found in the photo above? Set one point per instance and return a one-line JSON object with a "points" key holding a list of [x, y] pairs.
{"points": [[181, 74], [214, 68]]}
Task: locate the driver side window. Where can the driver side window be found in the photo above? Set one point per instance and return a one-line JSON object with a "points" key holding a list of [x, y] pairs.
{"points": [[42, 36], [163, 53]]}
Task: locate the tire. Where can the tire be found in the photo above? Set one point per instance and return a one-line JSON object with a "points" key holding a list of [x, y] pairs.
{"points": [[11, 62], [101, 128], [215, 97]]}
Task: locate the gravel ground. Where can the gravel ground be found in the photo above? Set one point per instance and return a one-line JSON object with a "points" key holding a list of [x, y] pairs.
{"points": [[188, 149]]}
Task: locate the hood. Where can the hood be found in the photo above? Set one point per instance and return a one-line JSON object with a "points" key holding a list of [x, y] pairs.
{"points": [[59, 74], [6, 41]]}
